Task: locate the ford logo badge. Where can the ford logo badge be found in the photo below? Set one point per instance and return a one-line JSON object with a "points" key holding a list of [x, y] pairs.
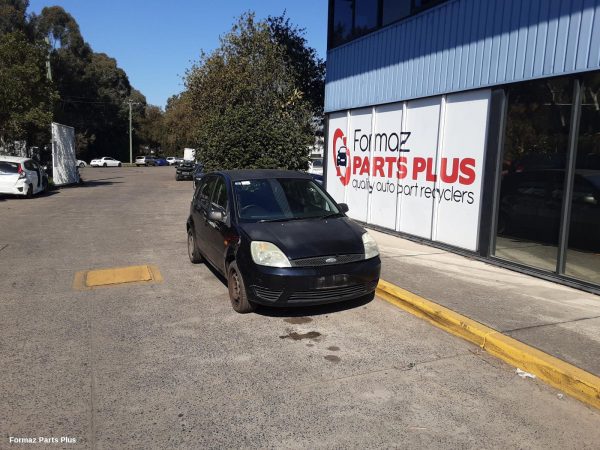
{"points": [[330, 260]]}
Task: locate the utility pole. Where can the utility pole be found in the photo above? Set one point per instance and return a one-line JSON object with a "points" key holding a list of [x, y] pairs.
{"points": [[130, 135]]}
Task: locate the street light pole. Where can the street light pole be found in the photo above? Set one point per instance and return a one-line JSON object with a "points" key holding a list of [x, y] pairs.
{"points": [[130, 136]]}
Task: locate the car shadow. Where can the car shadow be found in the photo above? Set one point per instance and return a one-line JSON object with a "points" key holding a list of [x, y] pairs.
{"points": [[316, 310], [94, 183]]}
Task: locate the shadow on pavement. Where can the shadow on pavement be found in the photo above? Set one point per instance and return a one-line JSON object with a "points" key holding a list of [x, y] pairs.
{"points": [[318, 310]]}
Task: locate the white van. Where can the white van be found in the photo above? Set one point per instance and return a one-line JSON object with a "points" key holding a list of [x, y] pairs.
{"points": [[21, 176]]}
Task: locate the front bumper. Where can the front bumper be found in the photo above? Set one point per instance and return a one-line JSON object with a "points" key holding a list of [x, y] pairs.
{"points": [[300, 286]]}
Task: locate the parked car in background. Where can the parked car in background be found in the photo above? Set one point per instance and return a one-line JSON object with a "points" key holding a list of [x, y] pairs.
{"points": [[280, 240], [21, 176], [160, 161], [144, 161], [81, 164], [185, 170], [105, 161], [172, 160], [315, 166]]}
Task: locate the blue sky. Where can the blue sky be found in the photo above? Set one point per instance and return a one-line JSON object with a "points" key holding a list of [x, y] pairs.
{"points": [[155, 41]]}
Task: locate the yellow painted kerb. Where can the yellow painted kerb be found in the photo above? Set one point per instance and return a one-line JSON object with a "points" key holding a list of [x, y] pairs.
{"points": [[91, 279], [568, 378]]}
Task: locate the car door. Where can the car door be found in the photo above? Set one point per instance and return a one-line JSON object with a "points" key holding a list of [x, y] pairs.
{"points": [[200, 214], [32, 175], [217, 230]]}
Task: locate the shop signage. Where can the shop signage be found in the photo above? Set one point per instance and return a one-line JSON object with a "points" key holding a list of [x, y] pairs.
{"points": [[414, 167]]}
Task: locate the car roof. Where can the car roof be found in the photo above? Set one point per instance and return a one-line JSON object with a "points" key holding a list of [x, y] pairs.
{"points": [[17, 159], [248, 174]]}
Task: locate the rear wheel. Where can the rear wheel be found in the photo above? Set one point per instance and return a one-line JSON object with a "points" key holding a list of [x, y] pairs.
{"points": [[29, 193], [237, 291], [193, 252], [104, 165], [120, 164], [81, 165]]}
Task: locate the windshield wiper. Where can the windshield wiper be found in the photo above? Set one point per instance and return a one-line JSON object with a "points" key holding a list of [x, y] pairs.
{"points": [[329, 216], [281, 219]]}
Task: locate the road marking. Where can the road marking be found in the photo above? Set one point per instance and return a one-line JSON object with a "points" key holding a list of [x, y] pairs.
{"points": [[115, 276], [564, 376]]}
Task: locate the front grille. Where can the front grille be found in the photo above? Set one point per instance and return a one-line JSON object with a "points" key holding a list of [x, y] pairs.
{"points": [[266, 294], [338, 293], [320, 261]]}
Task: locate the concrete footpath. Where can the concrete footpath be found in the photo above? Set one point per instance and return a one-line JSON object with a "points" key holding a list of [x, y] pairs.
{"points": [[558, 320]]}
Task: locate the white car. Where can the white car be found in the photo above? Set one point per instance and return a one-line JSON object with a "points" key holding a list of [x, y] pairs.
{"points": [[81, 164], [315, 167], [21, 176], [172, 160], [105, 161]]}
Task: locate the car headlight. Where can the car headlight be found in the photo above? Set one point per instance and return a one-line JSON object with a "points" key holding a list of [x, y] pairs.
{"points": [[370, 246], [268, 254]]}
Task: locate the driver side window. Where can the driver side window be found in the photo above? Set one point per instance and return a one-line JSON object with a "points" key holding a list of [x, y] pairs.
{"points": [[219, 197], [203, 197]]}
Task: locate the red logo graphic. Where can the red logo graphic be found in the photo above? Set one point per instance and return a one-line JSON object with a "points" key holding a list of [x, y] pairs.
{"points": [[341, 157]]}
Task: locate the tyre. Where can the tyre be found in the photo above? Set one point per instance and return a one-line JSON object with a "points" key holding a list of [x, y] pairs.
{"points": [[237, 291], [177, 178], [120, 165], [104, 165], [193, 252], [81, 165], [29, 193], [45, 185]]}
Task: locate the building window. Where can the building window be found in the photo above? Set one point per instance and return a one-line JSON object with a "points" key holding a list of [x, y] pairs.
{"points": [[583, 251], [350, 19], [394, 10], [341, 28], [365, 16], [533, 173]]}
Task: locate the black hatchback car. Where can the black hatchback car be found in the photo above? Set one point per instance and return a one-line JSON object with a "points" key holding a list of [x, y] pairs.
{"points": [[185, 170], [280, 240]]}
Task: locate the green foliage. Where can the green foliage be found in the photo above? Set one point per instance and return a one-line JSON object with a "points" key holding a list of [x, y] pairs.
{"points": [[26, 97], [306, 67], [247, 108]]}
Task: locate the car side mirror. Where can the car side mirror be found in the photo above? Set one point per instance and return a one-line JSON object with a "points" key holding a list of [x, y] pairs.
{"points": [[343, 207], [216, 216]]}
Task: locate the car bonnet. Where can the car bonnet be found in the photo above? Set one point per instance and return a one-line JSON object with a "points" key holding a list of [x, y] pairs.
{"points": [[309, 237]]}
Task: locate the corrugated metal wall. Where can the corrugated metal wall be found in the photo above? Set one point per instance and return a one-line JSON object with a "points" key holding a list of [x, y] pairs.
{"points": [[464, 44]]}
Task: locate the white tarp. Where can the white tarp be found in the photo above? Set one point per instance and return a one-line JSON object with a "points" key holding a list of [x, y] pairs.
{"points": [[414, 166], [64, 161]]}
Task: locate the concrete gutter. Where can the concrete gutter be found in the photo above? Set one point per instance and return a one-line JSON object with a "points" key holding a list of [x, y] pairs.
{"points": [[570, 379]]}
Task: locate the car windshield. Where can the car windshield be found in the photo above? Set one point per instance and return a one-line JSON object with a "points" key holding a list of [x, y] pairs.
{"points": [[281, 199]]}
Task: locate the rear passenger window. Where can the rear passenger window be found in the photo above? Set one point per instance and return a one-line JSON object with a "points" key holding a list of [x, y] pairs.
{"points": [[8, 167]]}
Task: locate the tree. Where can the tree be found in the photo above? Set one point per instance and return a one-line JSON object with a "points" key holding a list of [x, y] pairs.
{"points": [[306, 67], [247, 107], [26, 96], [93, 90]]}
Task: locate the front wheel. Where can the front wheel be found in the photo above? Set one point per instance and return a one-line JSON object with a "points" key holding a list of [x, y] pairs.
{"points": [[193, 252], [237, 291], [104, 165], [81, 165], [120, 165]]}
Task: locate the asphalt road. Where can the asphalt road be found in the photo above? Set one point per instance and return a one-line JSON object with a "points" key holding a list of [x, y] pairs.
{"points": [[172, 365]]}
